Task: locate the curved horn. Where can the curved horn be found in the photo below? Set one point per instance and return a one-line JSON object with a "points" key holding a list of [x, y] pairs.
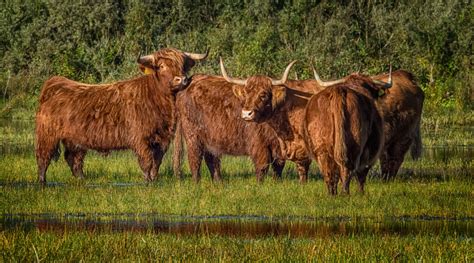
{"points": [[388, 84], [326, 83], [197, 56], [231, 80], [138, 57], [146, 60], [283, 79]]}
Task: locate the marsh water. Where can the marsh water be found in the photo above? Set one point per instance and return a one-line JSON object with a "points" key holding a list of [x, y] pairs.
{"points": [[239, 226]]}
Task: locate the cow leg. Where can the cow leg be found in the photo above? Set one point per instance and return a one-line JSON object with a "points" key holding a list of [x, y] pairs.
{"points": [[392, 158], [329, 172], [75, 159], [45, 151], [195, 154], [303, 168], [214, 165], [384, 164], [277, 167], [146, 161], [261, 161], [361, 178], [346, 176], [158, 154]]}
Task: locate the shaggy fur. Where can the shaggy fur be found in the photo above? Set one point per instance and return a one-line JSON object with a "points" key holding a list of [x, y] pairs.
{"points": [[136, 114], [209, 116], [282, 107], [343, 131], [401, 107]]}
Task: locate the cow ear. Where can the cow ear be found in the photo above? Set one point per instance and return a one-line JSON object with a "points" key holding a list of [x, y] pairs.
{"points": [[238, 91], [146, 70], [278, 96], [188, 64]]}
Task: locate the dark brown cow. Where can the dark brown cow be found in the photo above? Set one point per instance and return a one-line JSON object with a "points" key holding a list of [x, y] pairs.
{"points": [[343, 130], [265, 100], [401, 108], [209, 116], [136, 114]]}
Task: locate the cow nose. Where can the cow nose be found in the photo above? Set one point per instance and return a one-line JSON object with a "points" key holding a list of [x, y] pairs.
{"points": [[248, 114], [180, 80]]}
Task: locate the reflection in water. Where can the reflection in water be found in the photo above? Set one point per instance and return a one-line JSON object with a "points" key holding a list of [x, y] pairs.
{"points": [[444, 154], [248, 228]]}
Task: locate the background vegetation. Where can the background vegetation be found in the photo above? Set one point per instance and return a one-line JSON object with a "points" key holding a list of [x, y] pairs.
{"points": [[98, 41]]}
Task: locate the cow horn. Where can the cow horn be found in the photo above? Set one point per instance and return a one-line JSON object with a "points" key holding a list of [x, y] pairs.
{"points": [[388, 84], [146, 60], [138, 57], [326, 83], [197, 56], [283, 79], [231, 80]]}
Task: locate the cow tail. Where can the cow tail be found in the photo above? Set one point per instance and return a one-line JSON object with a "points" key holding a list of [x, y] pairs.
{"points": [[339, 118], [417, 146], [178, 149]]}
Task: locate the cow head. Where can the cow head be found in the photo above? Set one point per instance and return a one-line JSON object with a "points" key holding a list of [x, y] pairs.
{"points": [[259, 95], [170, 66]]}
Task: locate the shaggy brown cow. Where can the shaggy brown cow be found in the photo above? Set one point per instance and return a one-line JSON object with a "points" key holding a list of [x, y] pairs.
{"points": [[274, 102], [209, 116], [401, 108], [343, 130], [136, 114]]}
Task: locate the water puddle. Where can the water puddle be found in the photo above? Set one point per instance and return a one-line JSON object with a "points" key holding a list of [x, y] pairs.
{"points": [[445, 153], [239, 226]]}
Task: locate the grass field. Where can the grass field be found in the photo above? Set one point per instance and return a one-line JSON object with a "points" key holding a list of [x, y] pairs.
{"points": [[440, 186], [36, 246]]}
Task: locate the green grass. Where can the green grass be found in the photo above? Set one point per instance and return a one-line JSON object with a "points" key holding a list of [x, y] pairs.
{"points": [[83, 246], [239, 194]]}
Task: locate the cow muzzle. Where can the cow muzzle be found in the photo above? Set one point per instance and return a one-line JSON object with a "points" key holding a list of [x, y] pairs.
{"points": [[180, 81], [248, 115]]}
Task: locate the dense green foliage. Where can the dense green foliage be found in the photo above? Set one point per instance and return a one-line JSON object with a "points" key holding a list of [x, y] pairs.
{"points": [[97, 41]]}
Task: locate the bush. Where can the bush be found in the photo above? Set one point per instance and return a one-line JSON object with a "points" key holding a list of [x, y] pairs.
{"points": [[97, 41]]}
